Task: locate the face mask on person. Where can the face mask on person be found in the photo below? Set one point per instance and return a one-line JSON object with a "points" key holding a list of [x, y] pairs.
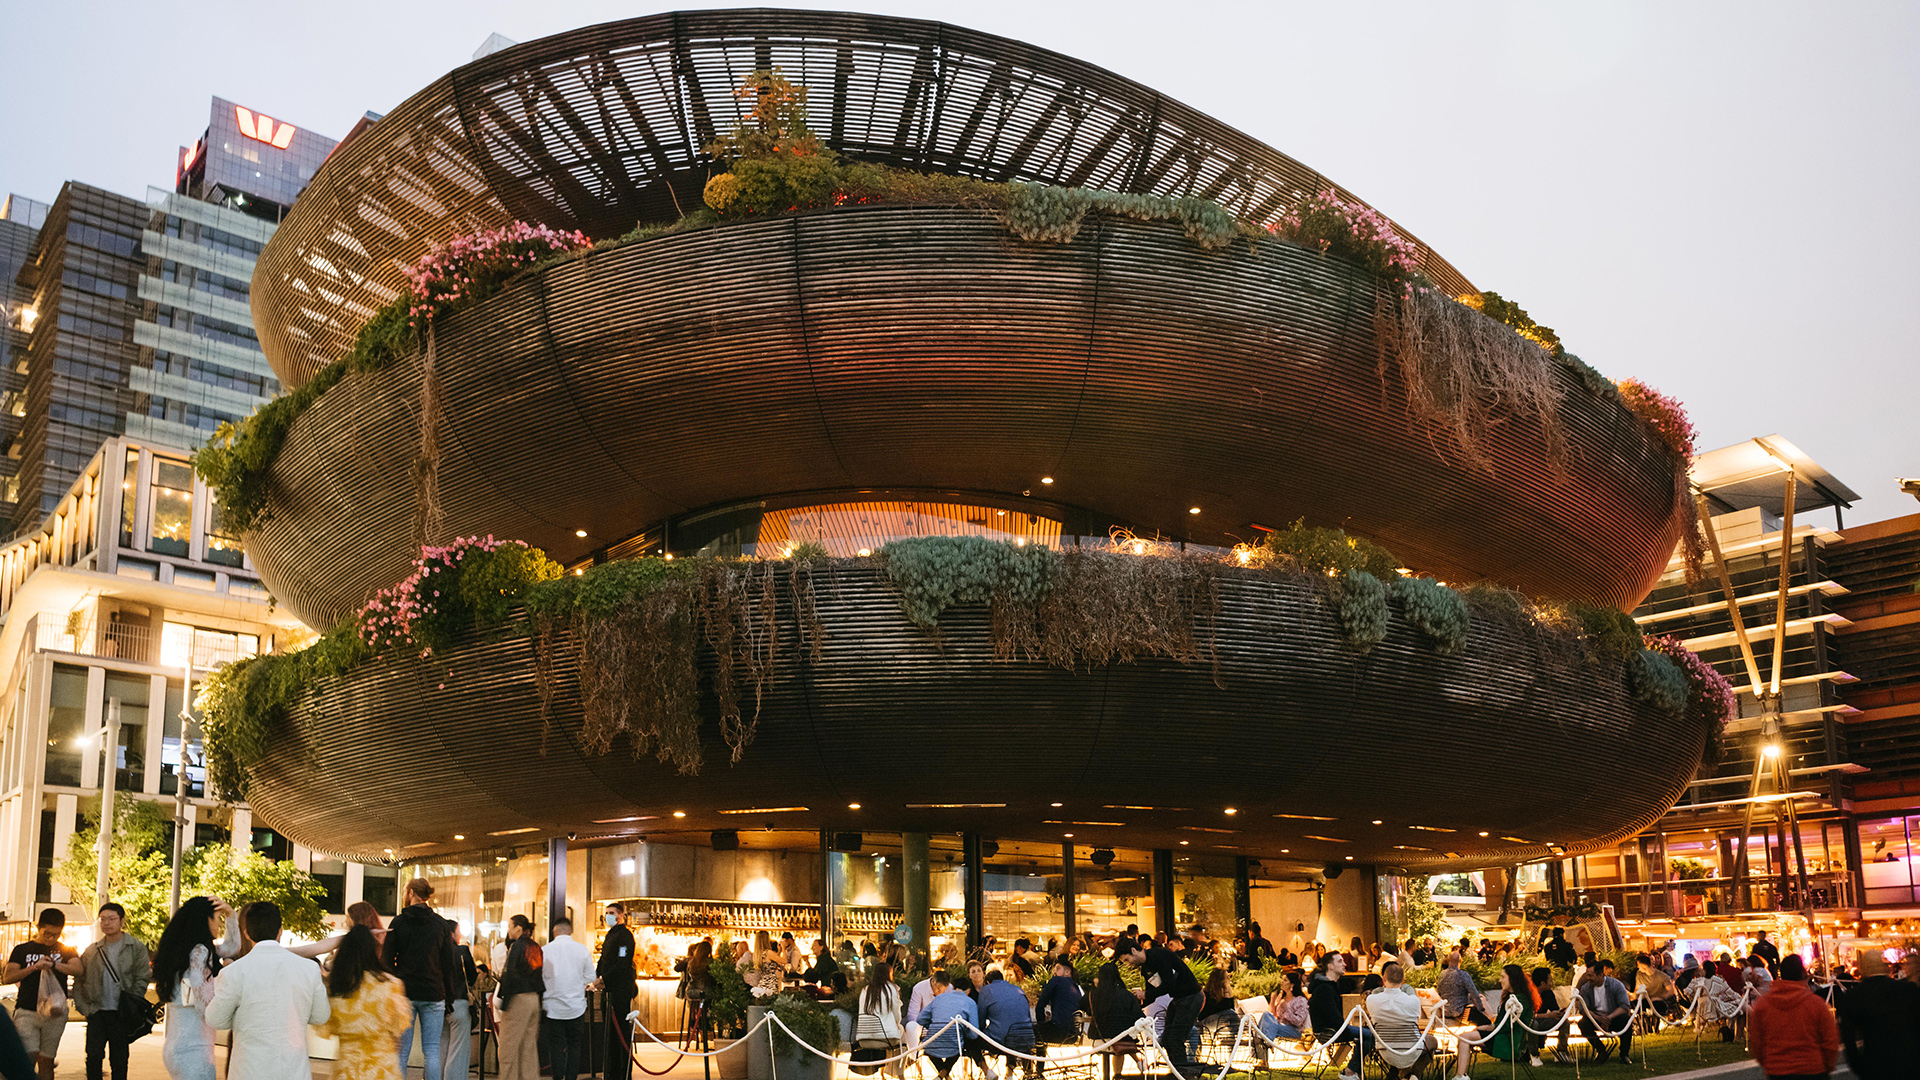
{"points": [[613, 920]]}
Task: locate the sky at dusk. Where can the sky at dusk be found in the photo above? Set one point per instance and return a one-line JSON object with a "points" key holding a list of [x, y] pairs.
{"points": [[1717, 198]]}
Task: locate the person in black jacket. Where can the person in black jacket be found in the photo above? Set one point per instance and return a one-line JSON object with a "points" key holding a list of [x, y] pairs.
{"points": [[518, 1008], [1115, 1008], [1167, 974], [419, 948], [1327, 1013], [1880, 1022], [615, 977]]}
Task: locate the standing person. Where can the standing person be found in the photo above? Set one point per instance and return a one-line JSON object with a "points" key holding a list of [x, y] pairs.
{"points": [[370, 1010], [1790, 1030], [614, 975], [566, 972], [1880, 1022], [114, 965], [1766, 950], [267, 998], [419, 949], [1258, 947], [1168, 975], [517, 1002], [41, 966], [184, 967], [1559, 951]]}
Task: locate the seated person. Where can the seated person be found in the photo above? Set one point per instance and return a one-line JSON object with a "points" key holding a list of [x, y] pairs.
{"points": [[1605, 1004], [1394, 1012], [1059, 1001], [1547, 1015], [1502, 1042], [1286, 1017], [949, 1004], [1460, 999], [1658, 986], [1328, 1014]]}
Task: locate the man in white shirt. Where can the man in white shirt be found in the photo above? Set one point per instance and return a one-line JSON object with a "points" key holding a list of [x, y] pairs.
{"points": [[917, 1002], [1394, 1011], [268, 998], [567, 969]]}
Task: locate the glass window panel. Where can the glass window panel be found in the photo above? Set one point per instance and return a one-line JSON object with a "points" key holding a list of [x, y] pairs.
{"points": [[172, 508], [1885, 862], [66, 719], [332, 873], [1107, 896], [223, 547], [380, 887], [209, 647], [127, 501], [130, 758], [170, 748]]}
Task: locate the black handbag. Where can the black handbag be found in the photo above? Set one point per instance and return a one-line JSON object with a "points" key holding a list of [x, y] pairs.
{"points": [[136, 1015]]}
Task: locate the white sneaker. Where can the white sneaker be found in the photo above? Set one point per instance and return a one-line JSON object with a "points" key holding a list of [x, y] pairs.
{"points": [[1534, 1061]]}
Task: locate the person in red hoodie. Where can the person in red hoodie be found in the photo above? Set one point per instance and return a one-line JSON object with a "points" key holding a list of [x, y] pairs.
{"points": [[1791, 1030]]}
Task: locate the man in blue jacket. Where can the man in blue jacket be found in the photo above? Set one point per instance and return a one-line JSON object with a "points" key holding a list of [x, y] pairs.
{"points": [[1007, 1020], [943, 1042]]}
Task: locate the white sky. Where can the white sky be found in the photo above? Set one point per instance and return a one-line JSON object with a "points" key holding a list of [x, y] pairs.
{"points": [[1717, 198]]}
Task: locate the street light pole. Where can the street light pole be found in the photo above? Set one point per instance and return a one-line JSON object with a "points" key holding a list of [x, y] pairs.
{"points": [[180, 781], [108, 781]]}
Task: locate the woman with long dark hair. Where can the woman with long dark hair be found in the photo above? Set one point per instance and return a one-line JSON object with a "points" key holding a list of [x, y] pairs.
{"points": [[184, 967], [1499, 1040], [370, 1010], [878, 1025]]}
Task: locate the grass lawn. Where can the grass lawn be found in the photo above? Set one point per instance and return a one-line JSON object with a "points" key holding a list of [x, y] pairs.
{"points": [[1671, 1051]]}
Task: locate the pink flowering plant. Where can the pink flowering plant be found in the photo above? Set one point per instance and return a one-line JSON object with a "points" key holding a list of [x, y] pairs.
{"points": [[1664, 415], [1710, 698], [1337, 226], [469, 268], [471, 580]]}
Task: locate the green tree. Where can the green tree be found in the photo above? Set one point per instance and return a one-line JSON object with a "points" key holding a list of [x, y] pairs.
{"points": [[139, 866], [1425, 917], [140, 872], [218, 870]]}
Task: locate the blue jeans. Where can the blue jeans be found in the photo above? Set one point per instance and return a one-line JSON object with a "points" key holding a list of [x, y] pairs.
{"points": [[1272, 1028], [431, 1017]]}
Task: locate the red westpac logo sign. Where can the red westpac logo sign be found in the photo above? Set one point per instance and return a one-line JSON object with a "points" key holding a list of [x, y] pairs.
{"points": [[262, 128]]}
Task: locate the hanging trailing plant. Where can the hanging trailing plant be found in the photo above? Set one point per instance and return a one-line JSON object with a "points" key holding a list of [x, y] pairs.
{"points": [[1436, 611], [1464, 373], [1331, 225], [1668, 420]]}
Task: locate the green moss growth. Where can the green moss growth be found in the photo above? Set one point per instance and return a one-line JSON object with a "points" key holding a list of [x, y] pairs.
{"points": [[1329, 551], [1437, 611], [934, 572], [1363, 610], [1610, 632], [1657, 682]]}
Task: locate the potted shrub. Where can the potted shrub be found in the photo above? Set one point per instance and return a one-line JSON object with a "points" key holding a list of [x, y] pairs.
{"points": [[781, 1056], [727, 999]]}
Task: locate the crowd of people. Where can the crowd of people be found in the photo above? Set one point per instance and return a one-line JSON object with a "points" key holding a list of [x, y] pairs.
{"points": [[371, 987]]}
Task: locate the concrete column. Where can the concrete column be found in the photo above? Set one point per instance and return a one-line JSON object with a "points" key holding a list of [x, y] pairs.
{"points": [[1163, 912], [242, 830], [1068, 915], [1242, 897], [557, 880], [356, 883], [828, 865], [973, 887], [915, 887]]}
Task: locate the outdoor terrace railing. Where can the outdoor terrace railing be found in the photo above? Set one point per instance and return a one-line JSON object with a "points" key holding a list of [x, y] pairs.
{"points": [[1699, 897], [55, 632]]}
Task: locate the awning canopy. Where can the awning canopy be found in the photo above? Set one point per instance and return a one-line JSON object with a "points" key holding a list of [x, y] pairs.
{"points": [[1753, 473]]}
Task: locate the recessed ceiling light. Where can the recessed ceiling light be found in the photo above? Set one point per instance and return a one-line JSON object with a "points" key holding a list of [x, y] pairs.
{"points": [[1376, 821], [853, 806], [1000, 513], [1058, 804], [1046, 479], [1067, 835], [459, 836], [1286, 851], [1193, 509], [1483, 834], [1183, 843], [1349, 858], [865, 552], [579, 532], [1231, 810], [679, 813]]}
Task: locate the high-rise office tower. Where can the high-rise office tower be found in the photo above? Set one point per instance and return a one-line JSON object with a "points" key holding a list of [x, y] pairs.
{"points": [[142, 325]]}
